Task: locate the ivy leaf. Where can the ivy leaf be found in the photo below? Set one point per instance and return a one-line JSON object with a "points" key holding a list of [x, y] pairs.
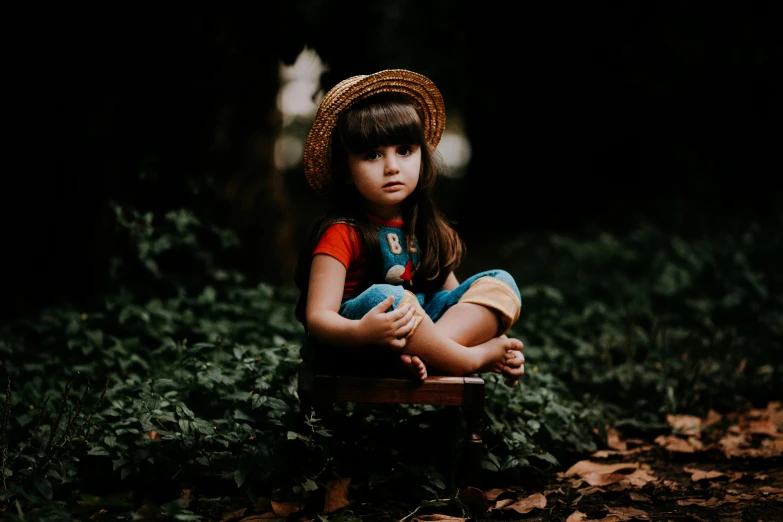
{"points": [[241, 415], [546, 457], [239, 477]]}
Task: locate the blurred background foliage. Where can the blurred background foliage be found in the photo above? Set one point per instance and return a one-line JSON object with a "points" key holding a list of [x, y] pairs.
{"points": [[623, 167], [574, 115]]}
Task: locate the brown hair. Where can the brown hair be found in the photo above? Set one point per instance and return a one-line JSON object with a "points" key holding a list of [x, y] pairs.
{"points": [[382, 120]]}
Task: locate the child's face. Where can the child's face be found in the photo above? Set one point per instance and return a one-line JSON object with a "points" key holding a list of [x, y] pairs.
{"points": [[385, 176]]}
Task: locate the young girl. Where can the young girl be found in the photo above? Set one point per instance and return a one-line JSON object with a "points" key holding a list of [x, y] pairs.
{"points": [[378, 290]]}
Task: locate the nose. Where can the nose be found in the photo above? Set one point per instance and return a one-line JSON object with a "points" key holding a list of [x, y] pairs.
{"points": [[392, 166]]}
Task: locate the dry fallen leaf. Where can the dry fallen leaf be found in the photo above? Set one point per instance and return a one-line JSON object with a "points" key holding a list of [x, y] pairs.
{"points": [[638, 497], [500, 504], [627, 513], [671, 484], [698, 474], [730, 444], [589, 490], [283, 509], [528, 504], [763, 427], [613, 440], [475, 500], [774, 411], [494, 493], [603, 479], [336, 494], [584, 467], [685, 424], [674, 443], [771, 448], [597, 474], [712, 417], [623, 485], [576, 516], [711, 502], [642, 476]]}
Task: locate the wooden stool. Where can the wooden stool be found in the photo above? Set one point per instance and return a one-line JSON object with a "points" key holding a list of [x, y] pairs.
{"points": [[321, 390]]}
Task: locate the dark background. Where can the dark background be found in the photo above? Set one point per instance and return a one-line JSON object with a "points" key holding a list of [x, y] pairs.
{"points": [[577, 115]]}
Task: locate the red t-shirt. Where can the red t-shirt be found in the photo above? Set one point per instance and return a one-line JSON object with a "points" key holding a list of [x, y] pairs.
{"points": [[341, 241]]}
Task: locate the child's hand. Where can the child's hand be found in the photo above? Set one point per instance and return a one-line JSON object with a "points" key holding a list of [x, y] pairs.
{"points": [[387, 328]]}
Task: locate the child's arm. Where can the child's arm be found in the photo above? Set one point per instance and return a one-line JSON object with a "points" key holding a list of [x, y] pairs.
{"points": [[451, 282], [324, 296]]}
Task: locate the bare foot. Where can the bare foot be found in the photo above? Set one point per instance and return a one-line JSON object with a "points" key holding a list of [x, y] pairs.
{"points": [[414, 366], [513, 368], [500, 346]]}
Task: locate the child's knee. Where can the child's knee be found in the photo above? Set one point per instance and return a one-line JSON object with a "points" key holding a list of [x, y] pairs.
{"points": [[378, 293], [498, 292]]}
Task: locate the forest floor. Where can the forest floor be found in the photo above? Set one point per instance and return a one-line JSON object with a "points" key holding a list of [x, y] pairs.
{"points": [[718, 468]]}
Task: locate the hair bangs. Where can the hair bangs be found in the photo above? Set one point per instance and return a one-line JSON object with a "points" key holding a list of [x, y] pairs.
{"points": [[393, 121]]}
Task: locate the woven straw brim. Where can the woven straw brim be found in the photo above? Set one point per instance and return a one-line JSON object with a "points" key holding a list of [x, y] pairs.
{"points": [[349, 91]]}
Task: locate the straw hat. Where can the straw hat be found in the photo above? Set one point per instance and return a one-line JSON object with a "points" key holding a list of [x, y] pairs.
{"points": [[349, 91]]}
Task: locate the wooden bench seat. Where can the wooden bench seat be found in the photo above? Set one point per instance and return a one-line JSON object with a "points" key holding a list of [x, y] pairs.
{"points": [[318, 391]]}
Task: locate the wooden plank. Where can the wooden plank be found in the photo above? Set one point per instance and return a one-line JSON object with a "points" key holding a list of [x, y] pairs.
{"points": [[446, 391]]}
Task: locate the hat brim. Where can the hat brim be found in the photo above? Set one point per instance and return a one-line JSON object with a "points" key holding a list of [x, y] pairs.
{"points": [[349, 91]]}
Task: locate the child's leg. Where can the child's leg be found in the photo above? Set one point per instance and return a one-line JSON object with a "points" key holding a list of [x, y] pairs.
{"points": [[449, 357], [469, 324], [480, 309], [428, 343], [469, 312]]}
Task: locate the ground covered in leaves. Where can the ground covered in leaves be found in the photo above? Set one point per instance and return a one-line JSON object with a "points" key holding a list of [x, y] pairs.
{"points": [[716, 468]]}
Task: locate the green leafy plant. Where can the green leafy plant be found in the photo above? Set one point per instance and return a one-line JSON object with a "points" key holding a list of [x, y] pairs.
{"points": [[199, 365]]}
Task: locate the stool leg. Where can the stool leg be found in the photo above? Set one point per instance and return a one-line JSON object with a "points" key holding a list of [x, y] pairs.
{"points": [[473, 410]]}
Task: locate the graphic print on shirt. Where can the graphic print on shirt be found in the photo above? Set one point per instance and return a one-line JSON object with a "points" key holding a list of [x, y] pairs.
{"points": [[400, 257]]}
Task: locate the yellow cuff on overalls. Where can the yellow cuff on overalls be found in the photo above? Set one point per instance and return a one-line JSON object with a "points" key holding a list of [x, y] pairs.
{"points": [[496, 295], [418, 311]]}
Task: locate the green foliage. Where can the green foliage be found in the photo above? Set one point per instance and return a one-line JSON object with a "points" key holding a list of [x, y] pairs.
{"points": [[199, 366], [653, 323]]}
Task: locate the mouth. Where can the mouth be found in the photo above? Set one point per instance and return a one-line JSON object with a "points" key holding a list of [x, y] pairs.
{"points": [[393, 184]]}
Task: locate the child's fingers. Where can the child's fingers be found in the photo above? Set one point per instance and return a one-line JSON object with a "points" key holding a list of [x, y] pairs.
{"points": [[406, 317], [402, 311], [398, 344], [385, 304], [408, 326]]}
